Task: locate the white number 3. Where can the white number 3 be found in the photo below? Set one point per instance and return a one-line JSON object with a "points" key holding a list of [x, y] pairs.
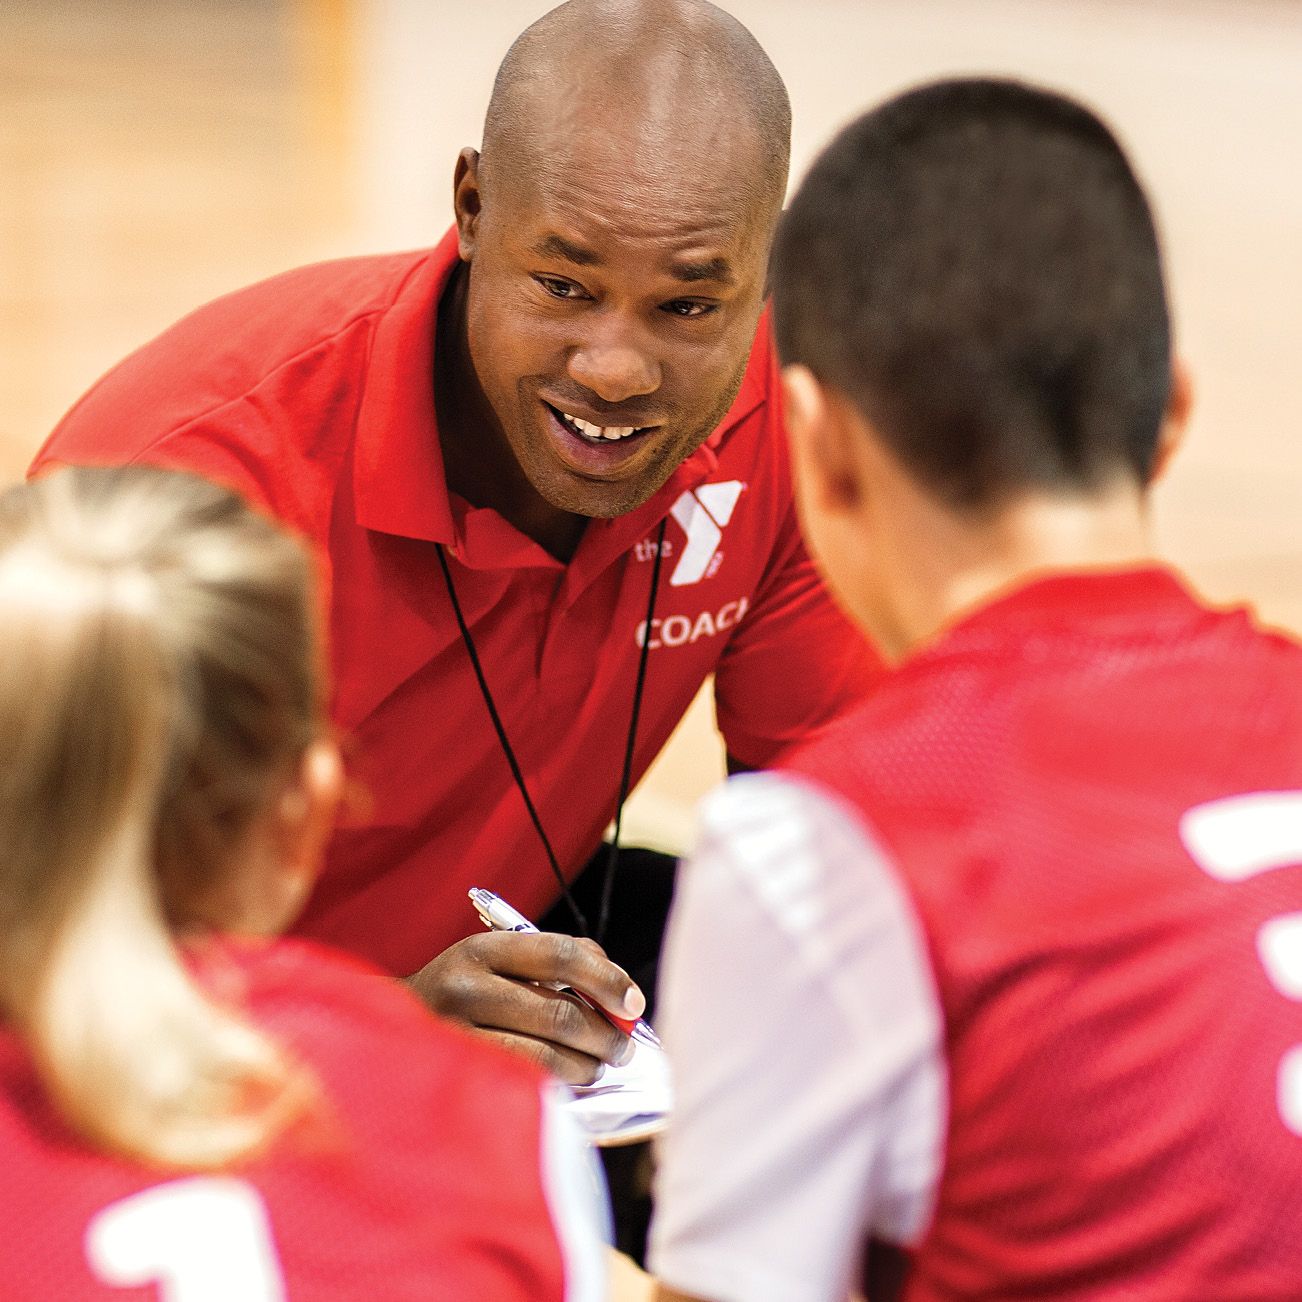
{"points": [[1238, 838], [202, 1239]]}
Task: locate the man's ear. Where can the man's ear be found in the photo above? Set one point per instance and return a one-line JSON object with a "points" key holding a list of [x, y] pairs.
{"points": [[467, 201], [1179, 404], [821, 440]]}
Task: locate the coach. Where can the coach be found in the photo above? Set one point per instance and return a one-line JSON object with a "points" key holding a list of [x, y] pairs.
{"points": [[544, 468]]}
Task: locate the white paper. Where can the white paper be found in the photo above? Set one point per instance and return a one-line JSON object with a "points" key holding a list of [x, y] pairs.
{"points": [[626, 1103]]}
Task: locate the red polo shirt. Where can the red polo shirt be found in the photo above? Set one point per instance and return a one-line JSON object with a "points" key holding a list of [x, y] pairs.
{"points": [[313, 394]]}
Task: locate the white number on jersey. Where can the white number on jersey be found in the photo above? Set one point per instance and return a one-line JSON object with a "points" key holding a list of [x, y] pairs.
{"points": [[1235, 839], [202, 1239]]}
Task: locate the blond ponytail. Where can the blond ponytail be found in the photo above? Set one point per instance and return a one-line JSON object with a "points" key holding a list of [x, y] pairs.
{"points": [[160, 682]]}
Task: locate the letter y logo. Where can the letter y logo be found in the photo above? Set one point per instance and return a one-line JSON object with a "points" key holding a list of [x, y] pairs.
{"points": [[702, 512]]}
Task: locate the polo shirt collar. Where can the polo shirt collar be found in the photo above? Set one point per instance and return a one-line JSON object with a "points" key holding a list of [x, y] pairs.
{"points": [[399, 482]]}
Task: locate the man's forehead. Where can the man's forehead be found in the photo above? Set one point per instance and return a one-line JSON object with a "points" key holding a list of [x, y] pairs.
{"points": [[658, 117], [678, 231], [603, 141], [580, 203]]}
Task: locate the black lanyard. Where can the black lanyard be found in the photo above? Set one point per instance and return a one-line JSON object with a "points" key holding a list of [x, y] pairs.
{"points": [[626, 777]]}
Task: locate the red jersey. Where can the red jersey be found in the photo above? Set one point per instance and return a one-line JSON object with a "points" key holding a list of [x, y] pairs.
{"points": [[425, 1178], [1092, 789], [313, 394]]}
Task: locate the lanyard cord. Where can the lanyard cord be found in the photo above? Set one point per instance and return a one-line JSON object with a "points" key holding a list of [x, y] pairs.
{"points": [[612, 856], [608, 881]]}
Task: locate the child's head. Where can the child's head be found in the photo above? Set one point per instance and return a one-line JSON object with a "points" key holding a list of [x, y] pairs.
{"points": [[164, 768], [972, 271]]}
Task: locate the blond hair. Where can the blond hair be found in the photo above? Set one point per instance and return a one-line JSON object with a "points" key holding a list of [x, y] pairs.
{"points": [[159, 686]]}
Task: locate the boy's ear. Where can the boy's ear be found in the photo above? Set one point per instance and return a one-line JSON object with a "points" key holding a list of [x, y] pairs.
{"points": [[1175, 422], [822, 440]]}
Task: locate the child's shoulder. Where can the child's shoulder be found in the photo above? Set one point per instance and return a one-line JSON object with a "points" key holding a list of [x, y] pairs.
{"points": [[334, 1007]]}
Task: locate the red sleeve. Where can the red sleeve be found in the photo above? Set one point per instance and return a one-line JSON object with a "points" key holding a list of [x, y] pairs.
{"points": [[212, 453], [794, 664], [280, 443], [257, 390], [229, 447]]}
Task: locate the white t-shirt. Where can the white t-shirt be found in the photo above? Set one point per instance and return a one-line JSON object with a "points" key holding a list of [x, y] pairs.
{"points": [[799, 1010]]}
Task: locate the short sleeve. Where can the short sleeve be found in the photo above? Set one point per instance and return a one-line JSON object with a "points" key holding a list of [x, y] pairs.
{"points": [[576, 1196], [794, 664], [227, 447], [799, 1011]]}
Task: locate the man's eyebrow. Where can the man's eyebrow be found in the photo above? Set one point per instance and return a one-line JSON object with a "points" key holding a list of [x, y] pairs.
{"points": [[557, 246], [716, 269]]}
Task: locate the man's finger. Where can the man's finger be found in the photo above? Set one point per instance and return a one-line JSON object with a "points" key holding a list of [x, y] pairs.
{"points": [[471, 989], [567, 1064], [550, 1015], [492, 981], [581, 963]]}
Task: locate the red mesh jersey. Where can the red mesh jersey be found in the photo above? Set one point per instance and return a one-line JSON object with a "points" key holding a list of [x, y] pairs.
{"points": [[1071, 784], [421, 1180]]}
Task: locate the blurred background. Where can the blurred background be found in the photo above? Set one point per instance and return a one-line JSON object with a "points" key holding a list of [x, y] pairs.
{"points": [[156, 153]]}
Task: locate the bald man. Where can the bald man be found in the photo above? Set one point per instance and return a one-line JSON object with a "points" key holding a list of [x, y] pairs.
{"points": [[544, 468]]}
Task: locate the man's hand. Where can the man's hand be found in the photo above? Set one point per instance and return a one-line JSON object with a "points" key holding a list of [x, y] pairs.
{"points": [[489, 982]]}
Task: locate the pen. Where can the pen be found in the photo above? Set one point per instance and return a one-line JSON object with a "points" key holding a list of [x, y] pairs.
{"points": [[498, 915]]}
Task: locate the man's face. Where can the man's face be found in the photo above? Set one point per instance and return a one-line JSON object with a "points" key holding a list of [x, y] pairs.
{"points": [[610, 312]]}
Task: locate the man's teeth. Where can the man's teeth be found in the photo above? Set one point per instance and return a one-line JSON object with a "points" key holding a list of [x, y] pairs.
{"points": [[591, 431]]}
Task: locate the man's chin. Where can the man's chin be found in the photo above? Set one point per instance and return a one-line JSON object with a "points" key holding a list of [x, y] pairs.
{"points": [[598, 501], [566, 489]]}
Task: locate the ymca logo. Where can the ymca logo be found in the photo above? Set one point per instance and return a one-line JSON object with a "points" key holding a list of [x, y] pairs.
{"points": [[702, 514]]}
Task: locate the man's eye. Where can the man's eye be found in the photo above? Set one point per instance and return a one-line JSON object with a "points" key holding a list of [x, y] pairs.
{"points": [[559, 288], [689, 307]]}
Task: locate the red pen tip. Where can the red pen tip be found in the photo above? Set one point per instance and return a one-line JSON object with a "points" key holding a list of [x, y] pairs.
{"points": [[625, 1024]]}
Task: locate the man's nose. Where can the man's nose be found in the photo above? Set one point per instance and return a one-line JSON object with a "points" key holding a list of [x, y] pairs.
{"points": [[615, 365]]}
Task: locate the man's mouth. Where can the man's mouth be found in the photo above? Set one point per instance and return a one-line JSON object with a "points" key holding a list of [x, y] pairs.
{"points": [[597, 435]]}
